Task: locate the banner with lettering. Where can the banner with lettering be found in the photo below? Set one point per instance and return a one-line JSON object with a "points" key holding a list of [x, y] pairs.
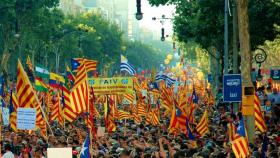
{"points": [[114, 85]]}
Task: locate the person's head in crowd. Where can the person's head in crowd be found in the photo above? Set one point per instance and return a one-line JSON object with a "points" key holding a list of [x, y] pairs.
{"points": [[274, 91], [7, 147]]}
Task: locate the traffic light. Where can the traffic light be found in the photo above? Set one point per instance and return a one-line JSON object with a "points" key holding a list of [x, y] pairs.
{"points": [[248, 94], [139, 14], [162, 34]]}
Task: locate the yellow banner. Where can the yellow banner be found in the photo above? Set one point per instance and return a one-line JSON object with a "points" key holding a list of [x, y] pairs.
{"points": [[115, 85]]}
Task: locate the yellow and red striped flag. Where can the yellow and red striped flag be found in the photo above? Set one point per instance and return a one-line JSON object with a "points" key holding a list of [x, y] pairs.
{"points": [[109, 116], [259, 119], [80, 92], [26, 94], [56, 113], [202, 126], [231, 130], [240, 147], [137, 118], [90, 65], [141, 110], [68, 111], [152, 117], [129, 98], [13, 115]]}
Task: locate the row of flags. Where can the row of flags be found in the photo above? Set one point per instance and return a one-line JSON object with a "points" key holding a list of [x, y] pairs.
{"points": [[65, 102]]}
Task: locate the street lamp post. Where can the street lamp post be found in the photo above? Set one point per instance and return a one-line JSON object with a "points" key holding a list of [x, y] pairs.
{"points": [[260, 57]]}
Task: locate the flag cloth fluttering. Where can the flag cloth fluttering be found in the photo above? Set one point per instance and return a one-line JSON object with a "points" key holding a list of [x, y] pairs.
{"points": [[27, 97], [42, 72], [109, 116], [178, 118], [40, 85], [202, 126], [56, 80], [189, 132], [80, 92], [69, 114], [259, 119], [168, 80], [29, 63], [125, 66], [90, 65], [240, 145], [13, 111], [85, 151]]}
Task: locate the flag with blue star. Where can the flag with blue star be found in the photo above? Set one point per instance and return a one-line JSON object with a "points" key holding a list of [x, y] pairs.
{"points": [[75, 64], [241, 128], [189, 132], [195, 97], [85, 149]]}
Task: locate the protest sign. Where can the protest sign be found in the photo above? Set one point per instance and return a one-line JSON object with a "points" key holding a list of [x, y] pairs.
{"points": [[114, 85], [59, 152], [26, 118], [5, 116]]}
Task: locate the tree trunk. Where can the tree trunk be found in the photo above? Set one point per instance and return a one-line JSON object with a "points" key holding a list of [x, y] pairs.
{"points": [[244, 38], [246, 59]]}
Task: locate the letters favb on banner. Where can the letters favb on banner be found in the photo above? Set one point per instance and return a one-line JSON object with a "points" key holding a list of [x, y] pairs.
{"points": [[114, 85]]}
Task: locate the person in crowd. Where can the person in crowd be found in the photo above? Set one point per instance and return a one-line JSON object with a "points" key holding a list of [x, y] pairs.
{"points": [[8, 152]]}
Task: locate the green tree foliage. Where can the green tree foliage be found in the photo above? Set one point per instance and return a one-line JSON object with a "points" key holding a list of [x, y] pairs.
{"points": [[39, 29]]}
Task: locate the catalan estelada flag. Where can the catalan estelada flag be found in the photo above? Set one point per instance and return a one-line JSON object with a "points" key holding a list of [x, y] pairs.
{"points": [[259, 119], [80, 92], [178, 118], [90, 65], [240, 145]]}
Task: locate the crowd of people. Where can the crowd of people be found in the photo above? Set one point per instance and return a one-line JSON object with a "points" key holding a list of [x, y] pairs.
{"points": [[143, 140]]}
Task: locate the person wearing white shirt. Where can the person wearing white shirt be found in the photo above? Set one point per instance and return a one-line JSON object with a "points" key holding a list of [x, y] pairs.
{"points": [[8, 153]]}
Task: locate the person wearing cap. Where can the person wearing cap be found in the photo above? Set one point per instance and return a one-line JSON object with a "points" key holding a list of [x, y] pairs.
{"points": [[8, 153]]}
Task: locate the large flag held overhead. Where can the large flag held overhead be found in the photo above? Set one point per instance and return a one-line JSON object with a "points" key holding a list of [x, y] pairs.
{"points": [[90, 65], [26, 95], [178, 118], [202, 126], [13, 111], [189, 132], [80, 91], [40, 85], [168, 80], [42, 72], [125, 66], [240, 147], [259, 119], [56, 80], [68, 111], [85, 152]]}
